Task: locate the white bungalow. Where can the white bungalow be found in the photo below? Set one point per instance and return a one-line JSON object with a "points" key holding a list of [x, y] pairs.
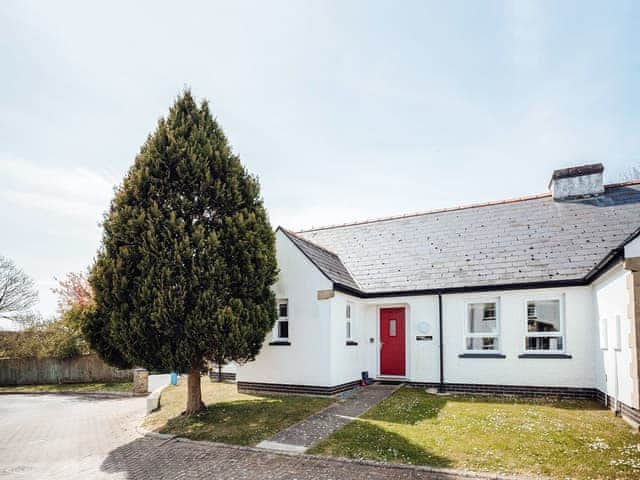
{"points": [[537, 295]]}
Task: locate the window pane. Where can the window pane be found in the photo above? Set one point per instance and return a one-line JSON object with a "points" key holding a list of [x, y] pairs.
{"points": [[283, 329], [482, 343], [392, 328], [543, 316], [283, 309], [482, 318], [348, 330], [543, 343]]}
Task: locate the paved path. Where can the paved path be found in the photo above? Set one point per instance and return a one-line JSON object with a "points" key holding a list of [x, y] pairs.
{"points": [[156, 459], [300, 436], [63, 436]]}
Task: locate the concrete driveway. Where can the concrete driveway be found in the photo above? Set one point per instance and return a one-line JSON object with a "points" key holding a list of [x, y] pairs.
{"points": [[64, 436]]}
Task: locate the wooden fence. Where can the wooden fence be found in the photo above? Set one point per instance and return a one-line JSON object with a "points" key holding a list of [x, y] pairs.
{"points": [[83, 369]]}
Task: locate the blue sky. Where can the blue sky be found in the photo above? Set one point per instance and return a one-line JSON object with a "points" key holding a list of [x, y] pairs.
{"points": [[346, 110]]}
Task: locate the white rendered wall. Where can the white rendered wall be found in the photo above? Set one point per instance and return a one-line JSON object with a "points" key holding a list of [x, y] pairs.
{"points": [[347, 362], [306, 360], [580, 337], [632, 249], [611, 297], [423, 356]]}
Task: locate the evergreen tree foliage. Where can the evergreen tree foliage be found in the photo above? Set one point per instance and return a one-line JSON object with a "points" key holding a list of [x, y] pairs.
{"points": [[188, 255]]}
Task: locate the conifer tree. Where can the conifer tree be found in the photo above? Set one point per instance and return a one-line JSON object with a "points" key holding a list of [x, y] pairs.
{"points": [[187, 260]]}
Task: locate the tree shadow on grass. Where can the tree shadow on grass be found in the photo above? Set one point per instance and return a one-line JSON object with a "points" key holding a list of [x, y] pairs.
{"points": [[242, 422], [362, 439]]}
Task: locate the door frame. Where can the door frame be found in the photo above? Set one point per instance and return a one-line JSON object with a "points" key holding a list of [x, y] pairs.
{"points": [[407, 343]]}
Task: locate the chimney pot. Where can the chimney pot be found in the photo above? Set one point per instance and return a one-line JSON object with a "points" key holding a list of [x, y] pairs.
{"points": [[577, 182]]}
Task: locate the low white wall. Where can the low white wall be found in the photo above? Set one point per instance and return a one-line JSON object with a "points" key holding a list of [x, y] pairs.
{"points": [[306, 360]]}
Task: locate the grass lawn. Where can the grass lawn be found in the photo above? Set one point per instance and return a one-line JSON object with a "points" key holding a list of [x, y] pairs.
{"points": [[72, 387], [559, 439], [230, 417]]}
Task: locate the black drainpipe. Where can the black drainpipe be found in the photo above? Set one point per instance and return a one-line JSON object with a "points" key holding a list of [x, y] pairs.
{"points": [[441, 341]]}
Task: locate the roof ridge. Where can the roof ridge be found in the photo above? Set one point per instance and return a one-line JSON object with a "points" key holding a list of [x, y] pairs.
{"points": [[446, 209]]}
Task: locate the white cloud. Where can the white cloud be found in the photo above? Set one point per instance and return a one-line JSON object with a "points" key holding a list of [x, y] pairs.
{"points": [[74, 192]]}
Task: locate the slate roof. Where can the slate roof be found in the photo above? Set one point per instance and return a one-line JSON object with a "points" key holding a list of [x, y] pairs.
{"points": [[523, 241], [328, 262]]}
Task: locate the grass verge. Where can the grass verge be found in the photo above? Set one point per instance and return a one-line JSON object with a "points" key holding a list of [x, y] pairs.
{"points": [[230, 417], [558, 439], [71, 387]]}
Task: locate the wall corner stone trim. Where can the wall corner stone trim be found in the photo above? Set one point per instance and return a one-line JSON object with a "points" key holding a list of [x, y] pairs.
{"points": [[326, 294], [140, 381], [632, 264], [633, 286]]}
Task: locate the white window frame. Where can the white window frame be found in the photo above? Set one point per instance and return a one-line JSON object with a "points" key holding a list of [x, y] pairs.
{"points": [[276, 329], [467, 334], [348, 324], [560, 333]]}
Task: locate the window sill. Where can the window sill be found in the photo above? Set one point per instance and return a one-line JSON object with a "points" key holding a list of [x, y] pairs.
{"points": [[481, 355], [351, 343], [280, 343], [544, 355]]}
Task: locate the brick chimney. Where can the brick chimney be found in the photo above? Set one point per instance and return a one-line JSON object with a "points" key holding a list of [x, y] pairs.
{"points": [[577, 182]]}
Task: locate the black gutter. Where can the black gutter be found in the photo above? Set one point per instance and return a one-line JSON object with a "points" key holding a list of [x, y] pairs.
{"points": [[441, 342], [481, 288]]}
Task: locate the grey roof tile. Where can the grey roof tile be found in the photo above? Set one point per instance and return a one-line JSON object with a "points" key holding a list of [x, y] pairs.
{"points": [[526, 240], [328, 262]]}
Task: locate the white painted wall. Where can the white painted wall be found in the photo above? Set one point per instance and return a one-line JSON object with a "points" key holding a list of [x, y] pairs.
{"points": [[423, 356], [611, 299], [306, 360], [580, 335], [348, 362], [632, 249]]}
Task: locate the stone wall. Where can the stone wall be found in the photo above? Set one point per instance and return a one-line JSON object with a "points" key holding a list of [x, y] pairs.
{"points": [[83, 369]]}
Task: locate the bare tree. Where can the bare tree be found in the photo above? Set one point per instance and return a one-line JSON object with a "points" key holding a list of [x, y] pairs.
{"points": [[17, 291]]}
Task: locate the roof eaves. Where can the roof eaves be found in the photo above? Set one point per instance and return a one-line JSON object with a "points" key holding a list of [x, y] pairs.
{"points": [[291, 236]]}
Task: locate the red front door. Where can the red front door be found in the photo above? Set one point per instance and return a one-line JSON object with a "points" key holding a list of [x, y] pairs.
{"points": [[392, 342]]}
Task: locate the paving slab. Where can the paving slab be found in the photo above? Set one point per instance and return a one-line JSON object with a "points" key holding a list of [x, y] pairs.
{"points": [[302, 435], [178, 459]]}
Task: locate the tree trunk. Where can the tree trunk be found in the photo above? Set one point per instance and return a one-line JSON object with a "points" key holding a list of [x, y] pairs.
{"points": [[219, 373], [194, 393]]}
